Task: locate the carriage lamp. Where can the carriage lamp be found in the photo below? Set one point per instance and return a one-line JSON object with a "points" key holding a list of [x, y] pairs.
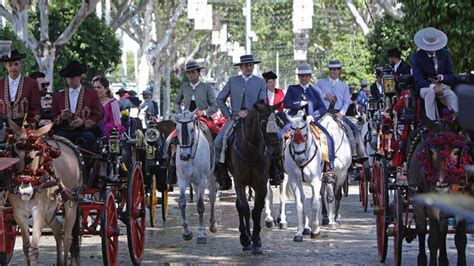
{"points": [[114, 144], [5, 48], [150, 152]]}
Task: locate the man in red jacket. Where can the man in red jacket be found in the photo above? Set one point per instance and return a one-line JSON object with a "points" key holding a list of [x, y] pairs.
{"points": [[19, 95]]}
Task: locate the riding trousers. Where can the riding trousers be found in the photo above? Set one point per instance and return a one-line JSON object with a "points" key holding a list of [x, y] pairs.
{"points": [[220, 143], [355, 138]]}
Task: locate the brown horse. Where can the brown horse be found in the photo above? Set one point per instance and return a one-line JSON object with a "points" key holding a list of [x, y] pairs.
{"points": [[441, 156], [254, 144]]}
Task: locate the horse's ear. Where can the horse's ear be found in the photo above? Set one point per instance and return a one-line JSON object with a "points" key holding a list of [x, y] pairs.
{"points": [[43, 130], [291, 119], [260, 106], [304, 117], [14, 127]]}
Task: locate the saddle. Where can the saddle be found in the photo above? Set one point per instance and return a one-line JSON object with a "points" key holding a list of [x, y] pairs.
{"points": [[319, 135]]}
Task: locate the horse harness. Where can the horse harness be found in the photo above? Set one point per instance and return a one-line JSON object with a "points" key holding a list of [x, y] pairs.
{"points": [[293, 153]]}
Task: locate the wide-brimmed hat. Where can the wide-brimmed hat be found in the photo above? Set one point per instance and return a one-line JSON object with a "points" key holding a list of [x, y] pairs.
{"points": [[132, 93], [247, 59], [192, 65], [269, 75], [393, 52], [334, 64], [147, 92], [73, 69], [122, 90], [303, 70], [14, 56], [364, 83], [430, 39]]}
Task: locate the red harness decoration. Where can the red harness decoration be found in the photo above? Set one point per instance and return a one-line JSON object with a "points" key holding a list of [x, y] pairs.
{"points": [[298, 138], [443, 143]]}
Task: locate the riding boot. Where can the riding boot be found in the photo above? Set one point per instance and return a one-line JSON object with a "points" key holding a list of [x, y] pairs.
{"points": [[223, 178], [276, 172]]}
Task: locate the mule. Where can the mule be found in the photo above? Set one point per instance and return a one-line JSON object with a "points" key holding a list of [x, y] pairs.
{"points": [[195, 165], [303, 164], [332, 185]]}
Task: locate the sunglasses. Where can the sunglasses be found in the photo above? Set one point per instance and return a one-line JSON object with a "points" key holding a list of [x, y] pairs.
{"points": [[44, 85]]}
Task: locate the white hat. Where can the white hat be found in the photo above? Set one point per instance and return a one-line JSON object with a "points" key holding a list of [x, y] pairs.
{"points": [[303, 70], [430, 39]]}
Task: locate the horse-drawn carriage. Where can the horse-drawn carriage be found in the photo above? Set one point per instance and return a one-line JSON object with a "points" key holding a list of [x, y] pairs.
{"points": [[397, 177], [114, 191]]}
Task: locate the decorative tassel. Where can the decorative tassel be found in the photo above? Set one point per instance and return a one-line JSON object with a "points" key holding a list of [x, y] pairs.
{"points": [[272, 126]]}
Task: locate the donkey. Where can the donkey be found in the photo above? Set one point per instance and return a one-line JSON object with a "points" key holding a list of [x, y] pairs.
{"points": [[194, 165], [442, 156], [254, 144], [37, 188], [303, 163], [332, 186]]}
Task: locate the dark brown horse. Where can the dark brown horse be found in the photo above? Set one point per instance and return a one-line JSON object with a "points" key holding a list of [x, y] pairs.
{"points": [[250, 153], [442, 157]]}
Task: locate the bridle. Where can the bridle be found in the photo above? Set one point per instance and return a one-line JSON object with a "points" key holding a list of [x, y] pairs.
{"points": [[185, 136], [306, 149]]}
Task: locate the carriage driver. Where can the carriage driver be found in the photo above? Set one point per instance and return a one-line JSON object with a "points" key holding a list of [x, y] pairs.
{"points": [[244, 90], [195, 96], [304, 96], [336, 97]]}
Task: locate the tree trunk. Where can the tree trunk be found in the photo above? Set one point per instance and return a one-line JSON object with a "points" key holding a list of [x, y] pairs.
{"points": [[392, 11]]}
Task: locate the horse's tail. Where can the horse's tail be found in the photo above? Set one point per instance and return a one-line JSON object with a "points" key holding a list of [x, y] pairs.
{"points": [[76, 241]]}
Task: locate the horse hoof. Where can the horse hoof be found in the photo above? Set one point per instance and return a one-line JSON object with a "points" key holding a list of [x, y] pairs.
{"points": [[269, 224], [213, 228], [338, 223], [257, 250], [325, 221], [298, 238], [188, 236], [307, 232], [201, 240], [247, 248], [283, 225], [333, 226], [313, 235]]}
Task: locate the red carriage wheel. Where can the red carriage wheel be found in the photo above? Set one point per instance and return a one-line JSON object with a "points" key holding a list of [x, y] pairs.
{"points": [[381, 196], [109, 230], [398, 228], [136, 214], [363, 188], [7, 235]]}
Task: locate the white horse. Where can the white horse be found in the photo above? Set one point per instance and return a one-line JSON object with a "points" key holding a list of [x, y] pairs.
{"points": [[36, 195], [195, 165], [303, 164], [332, 187], [281, 220]]}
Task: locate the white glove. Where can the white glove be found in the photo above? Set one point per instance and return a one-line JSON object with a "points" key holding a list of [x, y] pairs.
{"points": [[303, 103], [309, 118]]}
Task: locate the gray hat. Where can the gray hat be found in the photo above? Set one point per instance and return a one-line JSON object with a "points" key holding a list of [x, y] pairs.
{"points": [[303, 70], [192, 65], [247, 59], [430, 39], [364, 83], [334, 64]]}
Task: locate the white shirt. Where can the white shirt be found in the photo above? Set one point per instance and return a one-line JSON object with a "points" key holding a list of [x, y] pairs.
{"points": [[305, 87], [13, 86], [247, 78], [333, 81], [379, 87], [74, 98], [271, 97], [194, 88], [395, 67]]}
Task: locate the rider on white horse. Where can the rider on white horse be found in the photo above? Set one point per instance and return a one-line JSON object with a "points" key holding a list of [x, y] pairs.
{"points": [[337, 99], [305, 96]]}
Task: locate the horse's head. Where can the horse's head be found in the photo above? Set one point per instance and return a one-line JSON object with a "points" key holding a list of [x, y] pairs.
{"points": [[443, 157], [35, 156], [185, 131], [299, 136], [269, 125]]}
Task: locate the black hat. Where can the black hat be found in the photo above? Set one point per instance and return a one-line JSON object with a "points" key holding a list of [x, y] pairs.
{"points": [[73, 69], [393, 52], [135, 101], [192, 65], [132, 93], [14, 56], [121, 90], [269, 75], [247, 59]]}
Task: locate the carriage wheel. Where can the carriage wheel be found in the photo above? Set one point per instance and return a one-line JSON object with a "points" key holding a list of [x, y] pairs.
{"points": [[345, 186], [9, 228], [136, 214], [399, 227], [363, 188], [164, 203], [109, 230], [382, 209], [152, 201]]}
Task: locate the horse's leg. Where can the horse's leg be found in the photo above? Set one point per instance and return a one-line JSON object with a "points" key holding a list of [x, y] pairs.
{"points": [[460, 240], [269, 206], [433, 240], [201, 189], [57, 228], [420, 222], [187, 234], [212, 200], [297, 188], [330, 201], [283, 189], [316, 206], [259, 201], [337, 213], [243, 208], [443, 231]]}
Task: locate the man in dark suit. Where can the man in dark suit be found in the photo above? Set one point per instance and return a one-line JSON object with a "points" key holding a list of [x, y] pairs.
{"points": [[399, 65], [376, 89], [433, 71], [19, 95]]}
